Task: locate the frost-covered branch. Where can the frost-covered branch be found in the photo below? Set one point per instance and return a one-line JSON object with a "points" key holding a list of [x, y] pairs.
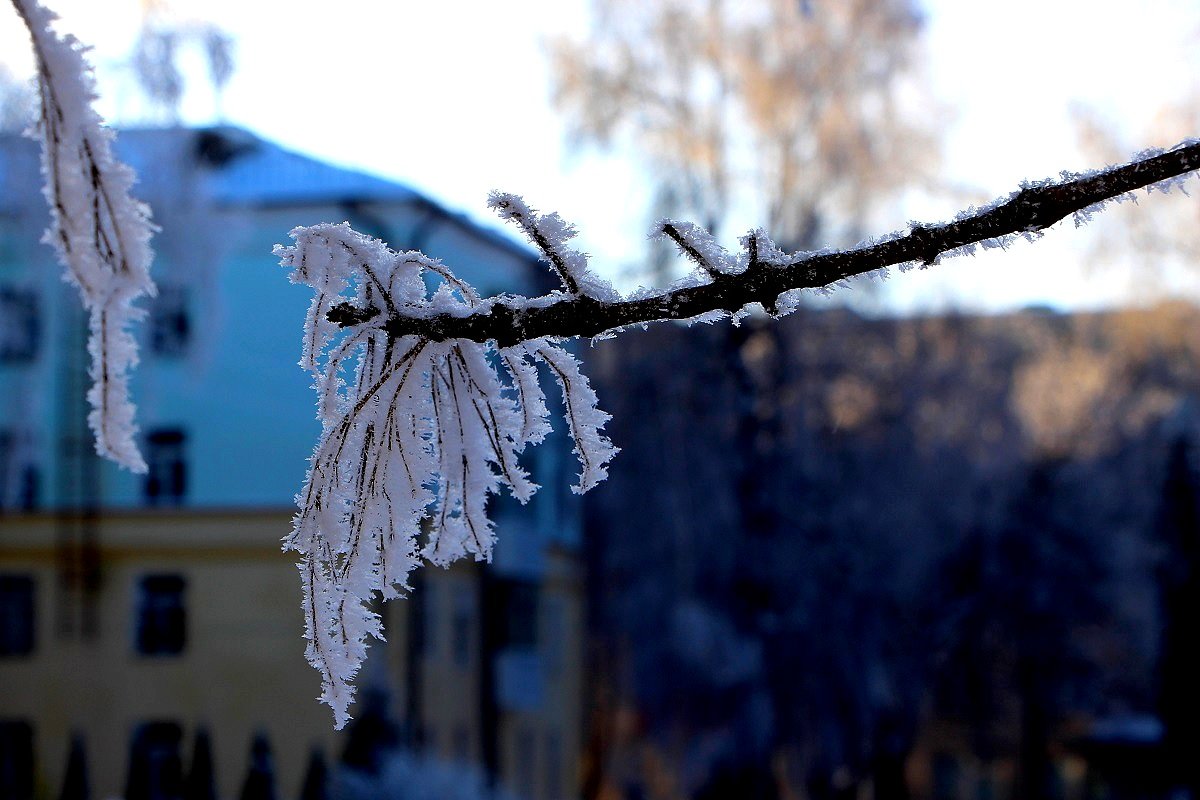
{"points": [[725, 284], [101, 234], [414, 444], [446, 392]]}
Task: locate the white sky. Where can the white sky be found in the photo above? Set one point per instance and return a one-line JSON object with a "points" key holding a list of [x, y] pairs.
{"points": [[452, 98]]}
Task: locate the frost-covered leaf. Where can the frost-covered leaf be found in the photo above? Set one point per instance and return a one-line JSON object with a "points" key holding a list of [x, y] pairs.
{"points": [[101, 234], [584, 416], [416, 434]]}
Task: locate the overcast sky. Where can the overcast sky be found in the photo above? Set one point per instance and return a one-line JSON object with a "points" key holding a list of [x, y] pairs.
{"points": [[452, 98]]}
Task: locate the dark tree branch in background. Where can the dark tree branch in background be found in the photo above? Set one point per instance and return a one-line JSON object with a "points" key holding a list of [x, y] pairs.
{"points": [[1032, 209]]}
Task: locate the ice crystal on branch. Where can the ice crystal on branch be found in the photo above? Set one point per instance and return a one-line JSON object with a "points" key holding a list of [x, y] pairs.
{"points": [[550, 233], [698, 245], [101, 234], [416, 433]]}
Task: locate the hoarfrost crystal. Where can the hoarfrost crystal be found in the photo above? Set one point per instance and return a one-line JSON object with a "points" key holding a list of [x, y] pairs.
{"points": [[414, 442], [101, 234]]}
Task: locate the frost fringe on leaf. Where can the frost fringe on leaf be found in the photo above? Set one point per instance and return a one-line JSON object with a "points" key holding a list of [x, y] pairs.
{"points": [[420, 434], [100, 233]]}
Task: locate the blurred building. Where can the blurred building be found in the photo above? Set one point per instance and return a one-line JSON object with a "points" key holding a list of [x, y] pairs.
{"points": [[138, 611]]}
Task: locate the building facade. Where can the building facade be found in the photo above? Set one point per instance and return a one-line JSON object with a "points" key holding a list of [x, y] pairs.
{"points": [[137, 611]]}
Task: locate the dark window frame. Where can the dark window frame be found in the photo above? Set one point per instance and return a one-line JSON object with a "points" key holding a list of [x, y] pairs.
{"points": [[20, 325], [170, 323], [18, 615], [166, 462], [428, 606], [20, 479], [521, 601], [462, 626], [18, 759], [160, 625], [155, 762]]}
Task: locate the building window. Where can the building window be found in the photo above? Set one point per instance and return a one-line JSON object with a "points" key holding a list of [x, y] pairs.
{"points": [[18, 475], [16, 615], [520, 603], [16, 759], [170, 323], [427, 604], [155, 765], [19, 324], [460, 633], [553, 622], [161, 617], [166, 475]]}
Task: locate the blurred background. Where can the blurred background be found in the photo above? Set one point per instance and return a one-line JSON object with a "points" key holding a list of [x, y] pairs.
{"points": [[929, 537]]}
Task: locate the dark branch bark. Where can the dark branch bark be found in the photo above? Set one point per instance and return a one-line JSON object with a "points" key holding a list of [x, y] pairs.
{"points": [[1032, 209]]}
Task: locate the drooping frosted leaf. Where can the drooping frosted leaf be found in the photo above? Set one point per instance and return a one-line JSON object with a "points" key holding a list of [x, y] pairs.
{"points": [[100, 233], [531, 400], [416, 434], [593, 449]]}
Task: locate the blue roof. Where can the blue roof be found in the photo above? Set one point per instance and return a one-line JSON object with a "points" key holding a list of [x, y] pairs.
{"points": [[248, 170], [241, 169]]}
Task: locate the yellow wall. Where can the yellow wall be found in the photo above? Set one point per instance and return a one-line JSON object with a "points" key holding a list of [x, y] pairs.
{"points": [[243, 670]]}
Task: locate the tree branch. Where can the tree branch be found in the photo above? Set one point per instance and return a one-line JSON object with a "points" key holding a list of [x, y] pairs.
{"points": [[509, 321]]}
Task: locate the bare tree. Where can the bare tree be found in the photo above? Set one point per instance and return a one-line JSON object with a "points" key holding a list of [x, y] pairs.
{"points": [[1155, 248], [791, 109]]}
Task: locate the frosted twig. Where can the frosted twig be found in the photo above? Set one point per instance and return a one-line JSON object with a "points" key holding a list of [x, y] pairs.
{"points": [[698, 245], [450, 431], [427, 430], [1036, 206], [548, 233]]}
